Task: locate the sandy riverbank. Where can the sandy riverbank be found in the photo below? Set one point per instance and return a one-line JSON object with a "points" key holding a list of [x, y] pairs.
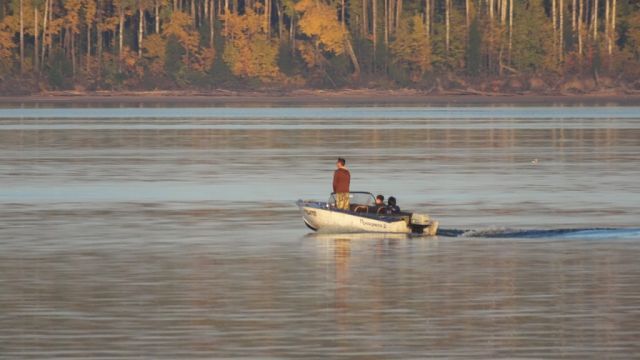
{"points": [[313, 97]]}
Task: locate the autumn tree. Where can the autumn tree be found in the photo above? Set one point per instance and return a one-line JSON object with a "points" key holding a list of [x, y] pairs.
{"points": [[132, 43], [154, 52], [532, 50], [90, 9], [249, 52], [319, 21], [411, 49], [182, 28], [6, 48]]}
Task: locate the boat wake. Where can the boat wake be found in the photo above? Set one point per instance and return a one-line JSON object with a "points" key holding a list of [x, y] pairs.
{"points": [[589, 233]]}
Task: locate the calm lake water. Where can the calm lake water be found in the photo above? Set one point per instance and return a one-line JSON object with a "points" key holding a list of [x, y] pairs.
{"points": [[173, 233]]}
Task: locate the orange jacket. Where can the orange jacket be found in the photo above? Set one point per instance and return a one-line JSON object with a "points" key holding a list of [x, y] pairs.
{"points": [[341, 180]]}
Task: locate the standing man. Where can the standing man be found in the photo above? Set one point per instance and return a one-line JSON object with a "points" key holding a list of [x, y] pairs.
{"points": [[341, 181]]}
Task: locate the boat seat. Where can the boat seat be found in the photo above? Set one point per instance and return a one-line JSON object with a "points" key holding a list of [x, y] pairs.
{"points": [[360, 208]]}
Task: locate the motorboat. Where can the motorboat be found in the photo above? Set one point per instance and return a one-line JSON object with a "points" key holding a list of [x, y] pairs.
{"points": [[363, 216]]}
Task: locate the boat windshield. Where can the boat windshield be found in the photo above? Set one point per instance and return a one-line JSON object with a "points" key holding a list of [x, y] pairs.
{"points": [[356, 197]]}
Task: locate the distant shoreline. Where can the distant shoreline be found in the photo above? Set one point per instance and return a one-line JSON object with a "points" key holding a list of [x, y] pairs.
{"points": [[317, 97]]}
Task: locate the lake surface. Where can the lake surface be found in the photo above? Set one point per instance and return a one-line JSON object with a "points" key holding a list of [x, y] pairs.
{"points": [[173, 233]]}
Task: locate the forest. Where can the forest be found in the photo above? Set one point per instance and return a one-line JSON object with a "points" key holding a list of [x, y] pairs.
{"points": [[574, 46]]}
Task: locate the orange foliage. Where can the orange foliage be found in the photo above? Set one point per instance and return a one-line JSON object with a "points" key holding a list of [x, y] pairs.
{"points": [[90, 10], [72, 18]]}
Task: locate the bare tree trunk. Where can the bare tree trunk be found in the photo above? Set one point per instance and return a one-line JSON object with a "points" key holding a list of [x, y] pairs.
{"points": [[467, 14], [226, 13], [342, 12], [427, 16], [99, 39], [607, 24], [140, 29], [490, 4], [21, 38], [50, 42], [354, 59], [398, 14], [561, 35], [73, 53], [573, 16], [292, 34], [365, 20], [88, 47], [156, 12], [280, 20], [503, 12], [36, 35], [580, 28], [510, 28], [554, 18], [391, 12], [447, 16], [44, 29], [386, 22], [120, 38], [212, 29], [267, 10], [374, 27], [612, 31], [595, 20]]}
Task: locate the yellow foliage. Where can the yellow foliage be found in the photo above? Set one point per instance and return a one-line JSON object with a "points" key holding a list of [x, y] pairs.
{"points": [[634, 34], [203, 61], [154, 52], [309, 54], [181, 26], [10, 23], [154, 46], [131, 65], [249, 51], [411, 48], [6, 47], [320, 21]]}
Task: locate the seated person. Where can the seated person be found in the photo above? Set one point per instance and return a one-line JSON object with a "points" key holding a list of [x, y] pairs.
{"points": [[379, 206], [392, 208]]}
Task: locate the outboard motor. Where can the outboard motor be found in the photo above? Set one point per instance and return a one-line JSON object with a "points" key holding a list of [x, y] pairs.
{"points": [[419, 222]]}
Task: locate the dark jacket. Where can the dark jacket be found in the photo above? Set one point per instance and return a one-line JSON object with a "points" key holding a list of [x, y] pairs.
{"points": [[393, 209], [341, 180]]}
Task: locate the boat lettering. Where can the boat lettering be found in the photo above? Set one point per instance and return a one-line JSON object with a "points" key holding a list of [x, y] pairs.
{"points": [[310, 212], [369, 223]]}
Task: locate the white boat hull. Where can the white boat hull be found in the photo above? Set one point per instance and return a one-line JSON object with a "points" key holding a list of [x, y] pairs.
{"points": [[335, 221]]}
